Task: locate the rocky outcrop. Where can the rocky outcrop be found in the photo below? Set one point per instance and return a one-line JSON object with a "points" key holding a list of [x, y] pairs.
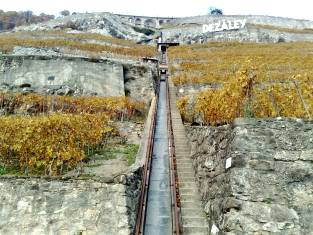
{"points": [[255, 176], [63, 75], [189, 30], [282, 22], [252, 33], [140, 81], [99, 77], [185, 30], [104, 23]]}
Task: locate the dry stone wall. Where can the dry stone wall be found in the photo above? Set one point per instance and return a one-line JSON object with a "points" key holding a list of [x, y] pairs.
{"points": [[268, 189], [140, 81], [36, 206]]}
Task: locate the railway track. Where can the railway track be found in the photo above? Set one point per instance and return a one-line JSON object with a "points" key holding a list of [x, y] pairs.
{"points": [[169, 202]]}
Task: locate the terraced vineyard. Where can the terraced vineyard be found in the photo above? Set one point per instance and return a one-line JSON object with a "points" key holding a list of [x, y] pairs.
{"points": [[244, 80], [49, 135], [91, 43]]}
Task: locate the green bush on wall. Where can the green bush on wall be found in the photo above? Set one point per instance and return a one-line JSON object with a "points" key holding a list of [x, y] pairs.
{"points": [[145, 31]]}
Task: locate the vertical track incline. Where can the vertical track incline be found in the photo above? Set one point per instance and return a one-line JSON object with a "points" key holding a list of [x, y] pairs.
{"points": [[164, 208]]}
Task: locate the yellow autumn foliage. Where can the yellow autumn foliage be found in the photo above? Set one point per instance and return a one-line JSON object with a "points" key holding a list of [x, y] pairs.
{"points": [[72, 42], [49, 144]]}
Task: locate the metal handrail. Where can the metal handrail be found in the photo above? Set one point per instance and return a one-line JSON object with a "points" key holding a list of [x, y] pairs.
{"points": [[141, 208], [173, 173]]}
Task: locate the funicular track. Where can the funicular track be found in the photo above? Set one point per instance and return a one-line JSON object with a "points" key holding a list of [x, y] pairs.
{"points": [[160, 209]]}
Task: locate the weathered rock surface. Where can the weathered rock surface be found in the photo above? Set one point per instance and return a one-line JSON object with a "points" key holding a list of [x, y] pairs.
{"points": [[41, 206], [185, 30], [101, 77], [189, 30], [32, 51], [269, 187], [103, 23], [194, 34], [61, 75], [140, 81], [282, 22]]}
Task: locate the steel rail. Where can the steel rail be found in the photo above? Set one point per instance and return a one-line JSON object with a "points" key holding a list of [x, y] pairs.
{"points": [[175, 199], [142, 206], [176, 218]]}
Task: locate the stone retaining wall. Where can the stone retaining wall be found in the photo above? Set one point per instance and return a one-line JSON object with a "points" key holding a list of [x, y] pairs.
{"points": [[98, 76], [87, 205], [269, 187], [31, 206]]}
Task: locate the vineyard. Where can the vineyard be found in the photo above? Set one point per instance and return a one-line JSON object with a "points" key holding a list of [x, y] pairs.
{"points": [[100, 44], [244, 80], [35, 104], [51, 135]]}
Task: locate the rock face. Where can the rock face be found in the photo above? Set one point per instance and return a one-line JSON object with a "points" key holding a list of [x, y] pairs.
{"points": [[189, 30], [185, 30], [140, 81], [251, 19], [62, 75], [268, 187], [32, 51], [39, 206], [248, 34], [104, 23], [101, 77]]}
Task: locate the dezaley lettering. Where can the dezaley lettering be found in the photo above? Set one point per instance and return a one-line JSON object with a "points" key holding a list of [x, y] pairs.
{"points": [[231, 25], [224, 25], [207, 28]]}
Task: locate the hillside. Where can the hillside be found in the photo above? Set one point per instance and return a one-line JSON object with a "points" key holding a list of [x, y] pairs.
{"points": [[257, 29], [102, 23], [223, 81], [106, 131], [186, 30]]}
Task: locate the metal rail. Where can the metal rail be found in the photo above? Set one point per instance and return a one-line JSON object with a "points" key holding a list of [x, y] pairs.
{"points": [[174, 185], [141, 208], [175, 201], [173, 172]]}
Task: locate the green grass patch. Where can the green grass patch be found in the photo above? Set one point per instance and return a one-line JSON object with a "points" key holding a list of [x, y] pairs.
{"points": [[9, 171], [86, 176], [131, 151], [268, 200], [94, 165], [127, 151], [3, 170]]}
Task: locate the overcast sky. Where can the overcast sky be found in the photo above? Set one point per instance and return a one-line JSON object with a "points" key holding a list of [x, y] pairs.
{"points": [[301, 9]]}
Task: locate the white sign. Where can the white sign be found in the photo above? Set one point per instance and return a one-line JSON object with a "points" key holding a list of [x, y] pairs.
{"points": [[224, 25], [214, 230], [228, 163]]}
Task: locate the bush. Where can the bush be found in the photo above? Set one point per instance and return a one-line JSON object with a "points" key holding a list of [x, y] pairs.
{"points": [[49, 144], [145, 31], [215, 11]]}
